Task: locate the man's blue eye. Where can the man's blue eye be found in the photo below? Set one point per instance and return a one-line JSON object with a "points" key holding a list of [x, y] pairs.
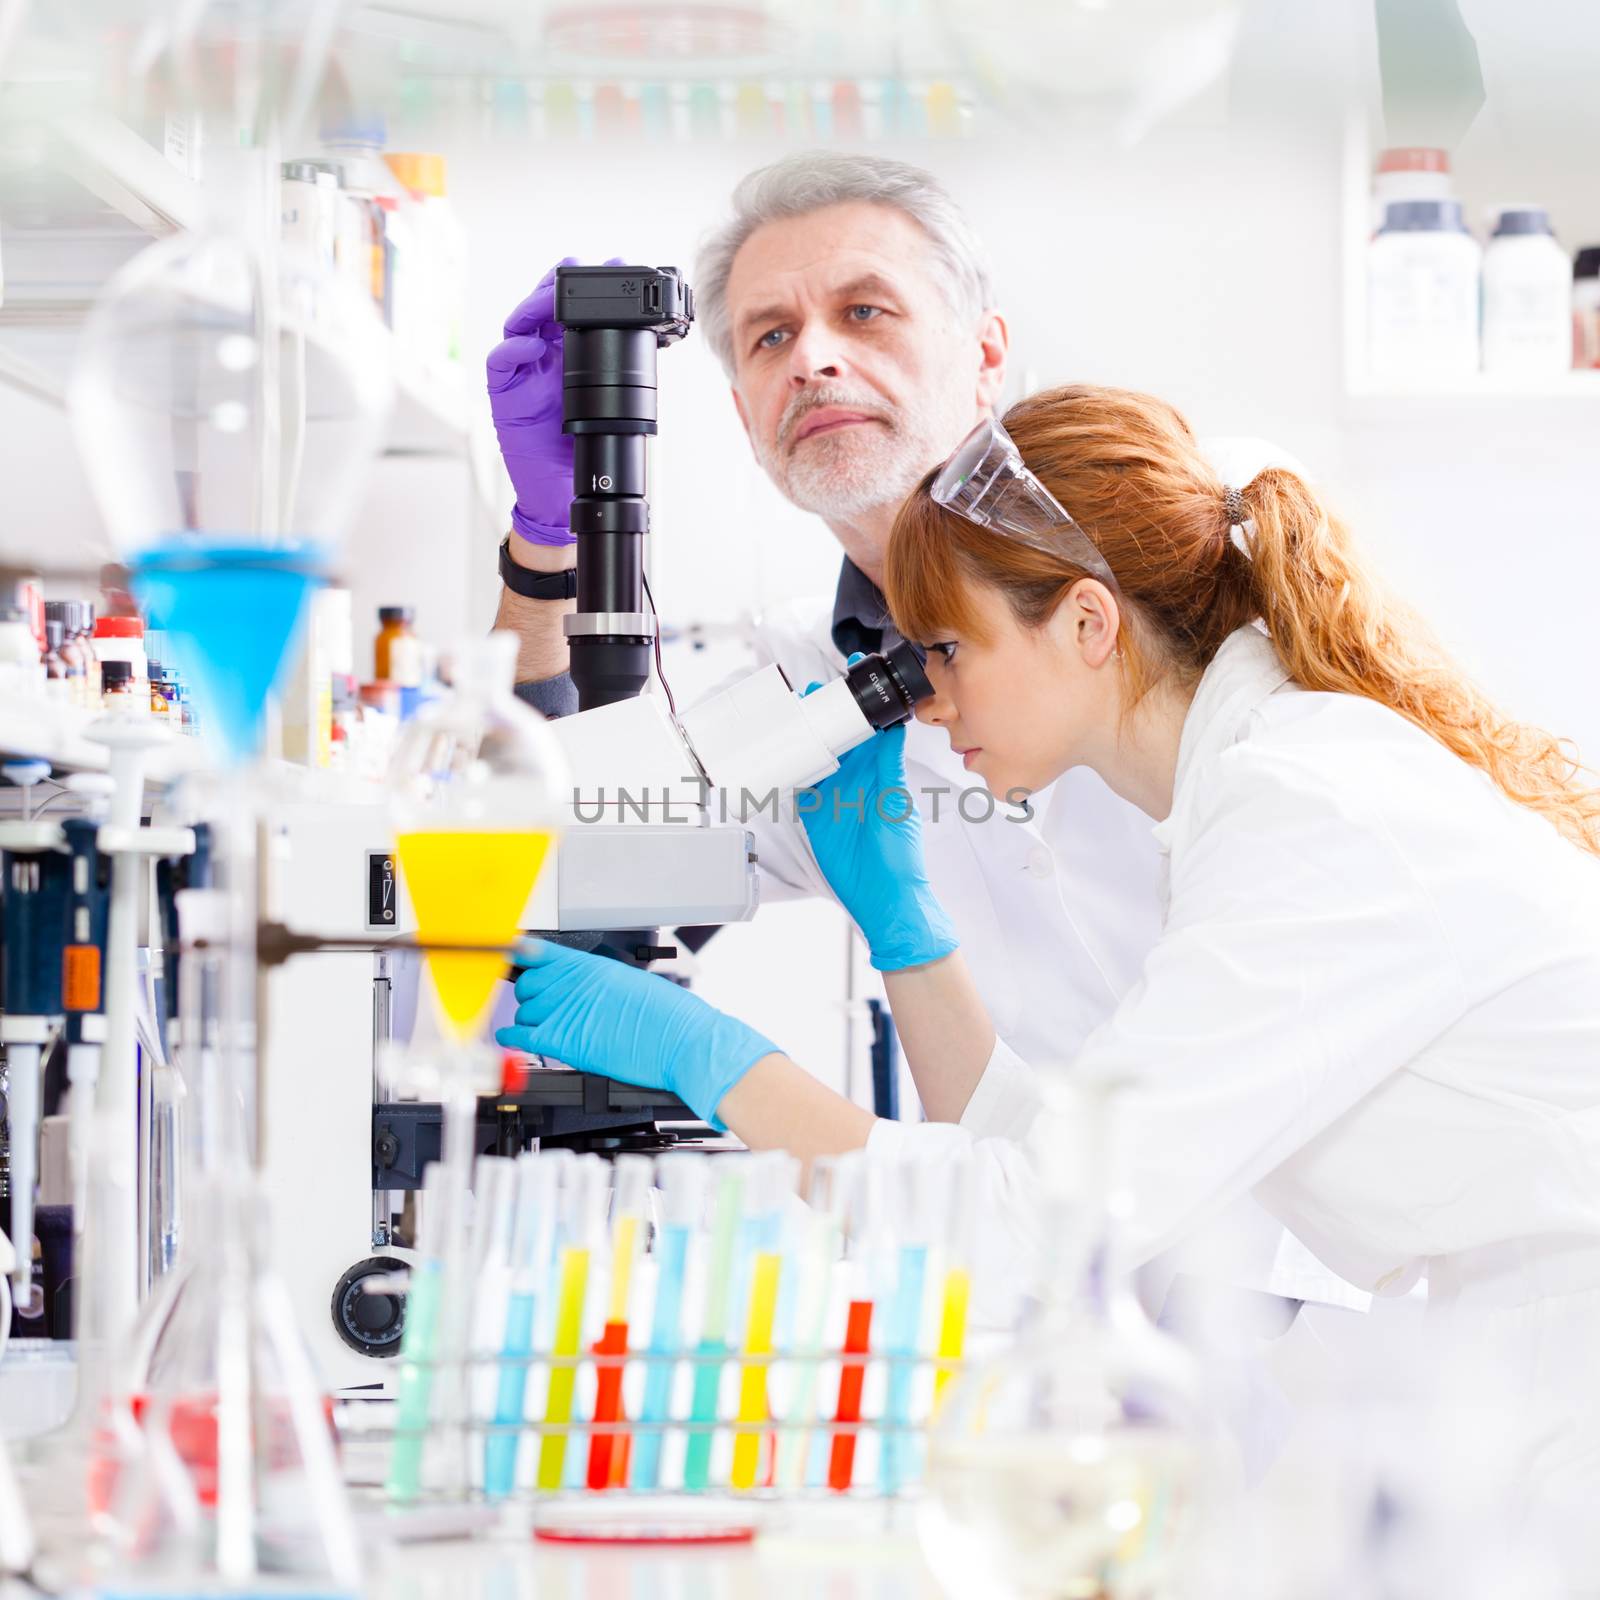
{"points": [[769, 340], [870, 313]]}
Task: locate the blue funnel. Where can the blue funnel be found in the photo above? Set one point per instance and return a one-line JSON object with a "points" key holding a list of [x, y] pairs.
{"points": [[234, 614]]}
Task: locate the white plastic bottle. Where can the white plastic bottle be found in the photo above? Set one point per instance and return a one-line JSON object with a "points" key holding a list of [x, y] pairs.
{"points": [[1527, 297], [443, 247], [1422, 294], [1409, 173]]}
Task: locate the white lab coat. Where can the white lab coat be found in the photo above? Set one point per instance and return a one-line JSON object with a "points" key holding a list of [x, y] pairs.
{"points": [[1375, 1004], [1056, 914]]}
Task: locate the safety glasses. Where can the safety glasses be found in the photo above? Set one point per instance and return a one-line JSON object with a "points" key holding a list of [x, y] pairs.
{"points": [[987, 482]]}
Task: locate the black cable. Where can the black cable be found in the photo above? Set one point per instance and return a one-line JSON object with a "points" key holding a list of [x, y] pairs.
{"points": [[661, 673]]}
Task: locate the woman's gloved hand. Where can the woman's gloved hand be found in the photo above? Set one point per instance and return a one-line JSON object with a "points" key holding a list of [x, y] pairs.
{"points": [[866, 834], [603, 1016], [524, 374]]}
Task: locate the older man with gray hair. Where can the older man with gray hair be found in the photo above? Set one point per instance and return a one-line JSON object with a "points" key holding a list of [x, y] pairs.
{"points": [[850, 304]]}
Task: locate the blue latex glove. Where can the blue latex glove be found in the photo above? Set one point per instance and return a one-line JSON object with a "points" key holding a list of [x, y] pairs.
{"points": [[524, 375], [866, 834], [603, 1016]]}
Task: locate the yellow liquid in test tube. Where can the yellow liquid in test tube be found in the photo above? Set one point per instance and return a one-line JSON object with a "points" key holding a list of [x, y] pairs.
{"points": [[469, 888]]}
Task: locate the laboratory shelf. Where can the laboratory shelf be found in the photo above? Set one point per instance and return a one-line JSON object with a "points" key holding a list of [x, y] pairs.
{"points": [[127, 173], [44, 734]]}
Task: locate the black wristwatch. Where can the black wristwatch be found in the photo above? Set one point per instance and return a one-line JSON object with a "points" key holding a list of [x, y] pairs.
{"points": [[561, 585]]}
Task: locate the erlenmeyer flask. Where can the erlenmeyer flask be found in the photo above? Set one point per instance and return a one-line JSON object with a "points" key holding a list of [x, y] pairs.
{"points": [[250, 1496], [1070, 1465]]}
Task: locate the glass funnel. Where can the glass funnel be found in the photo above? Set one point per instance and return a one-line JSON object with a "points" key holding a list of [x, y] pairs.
{"points": [[227, 400], [479, 786], [1069, 1467]]}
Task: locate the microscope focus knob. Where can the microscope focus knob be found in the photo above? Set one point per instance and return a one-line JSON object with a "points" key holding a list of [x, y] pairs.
{"points": [[370, 1320]]}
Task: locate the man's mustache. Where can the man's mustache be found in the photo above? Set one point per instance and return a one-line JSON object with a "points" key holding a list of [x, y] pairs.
{"points": [[803, 404]]}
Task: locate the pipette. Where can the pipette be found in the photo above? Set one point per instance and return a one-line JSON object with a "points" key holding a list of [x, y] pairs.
{"points": [[494, 1186], [867, 1207], [770, 1182], [683, 1179], [916, 1189], [419, 1343], [960, 1220], [532, 1247], [583, 1213], [819, 1232], [713, 1325], [608, 1452]]}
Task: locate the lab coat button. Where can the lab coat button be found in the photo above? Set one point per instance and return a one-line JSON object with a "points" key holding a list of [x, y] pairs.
{"points": [[1041, 864]]}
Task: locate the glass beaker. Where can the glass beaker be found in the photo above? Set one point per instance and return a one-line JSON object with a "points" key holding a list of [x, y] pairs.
{"points": [[1069, 1467]]}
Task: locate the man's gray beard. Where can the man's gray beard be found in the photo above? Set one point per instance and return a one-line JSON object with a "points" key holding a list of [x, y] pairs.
{"points": [[843, 476]]}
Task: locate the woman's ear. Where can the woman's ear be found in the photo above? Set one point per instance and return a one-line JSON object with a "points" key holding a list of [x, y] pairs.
{"points": [[1087, 620]]}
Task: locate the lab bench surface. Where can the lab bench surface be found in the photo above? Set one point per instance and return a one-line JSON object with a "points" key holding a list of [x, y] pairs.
{"points": [[805, 1553]]}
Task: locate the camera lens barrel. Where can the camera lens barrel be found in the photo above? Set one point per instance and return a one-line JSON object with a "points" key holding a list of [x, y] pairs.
{"points": [[886, 687], [609, 409]]}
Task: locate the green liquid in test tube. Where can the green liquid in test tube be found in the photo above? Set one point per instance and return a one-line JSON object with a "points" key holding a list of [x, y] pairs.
{"points": [[419, 1343], [713, 1330], [683, 1178]]}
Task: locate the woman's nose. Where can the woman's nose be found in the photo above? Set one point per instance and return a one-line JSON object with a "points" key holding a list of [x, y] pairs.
{"points": [[938, 708]]}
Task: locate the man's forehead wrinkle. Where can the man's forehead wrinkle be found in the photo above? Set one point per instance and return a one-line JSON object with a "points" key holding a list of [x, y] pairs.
{"points": [[779, 285]]}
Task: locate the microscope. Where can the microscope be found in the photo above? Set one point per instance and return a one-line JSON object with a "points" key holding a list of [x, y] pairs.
{"points": [[657, 840]]}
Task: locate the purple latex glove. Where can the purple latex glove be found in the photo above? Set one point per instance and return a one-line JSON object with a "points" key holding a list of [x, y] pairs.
{"points": [[524, 373]]}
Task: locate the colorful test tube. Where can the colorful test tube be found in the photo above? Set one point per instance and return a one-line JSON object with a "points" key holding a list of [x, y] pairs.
{"points": [[867, 1210], [682, 1178], [917, 1189], [418, 1344], [494, 1189], [583, 1222], [769, 1185], [959, 1222], [819, 1245], [713, 1326], [532, 1240], [608, 1452]]}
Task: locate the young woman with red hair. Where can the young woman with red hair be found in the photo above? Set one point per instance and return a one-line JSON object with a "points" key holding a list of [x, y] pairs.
{"points": [[1375, 1002]]}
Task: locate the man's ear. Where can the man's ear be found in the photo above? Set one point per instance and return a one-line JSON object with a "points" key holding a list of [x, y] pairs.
{"points": [[738, 405], [994, 345]]}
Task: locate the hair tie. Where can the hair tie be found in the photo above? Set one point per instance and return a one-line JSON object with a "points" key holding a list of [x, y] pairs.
{"points": [[1233, 504]]}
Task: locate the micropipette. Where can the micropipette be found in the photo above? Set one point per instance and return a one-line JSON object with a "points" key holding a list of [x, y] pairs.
{"points": [[917, 1194], [583, 1214], [713, 1325], [419, 1342], [608, 1452], [770, 1182], [819, 1245], [532, 1245], [683, 1178]]}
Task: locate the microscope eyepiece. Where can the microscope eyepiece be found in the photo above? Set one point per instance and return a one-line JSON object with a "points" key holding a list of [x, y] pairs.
{"points": [[886, 687]]}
